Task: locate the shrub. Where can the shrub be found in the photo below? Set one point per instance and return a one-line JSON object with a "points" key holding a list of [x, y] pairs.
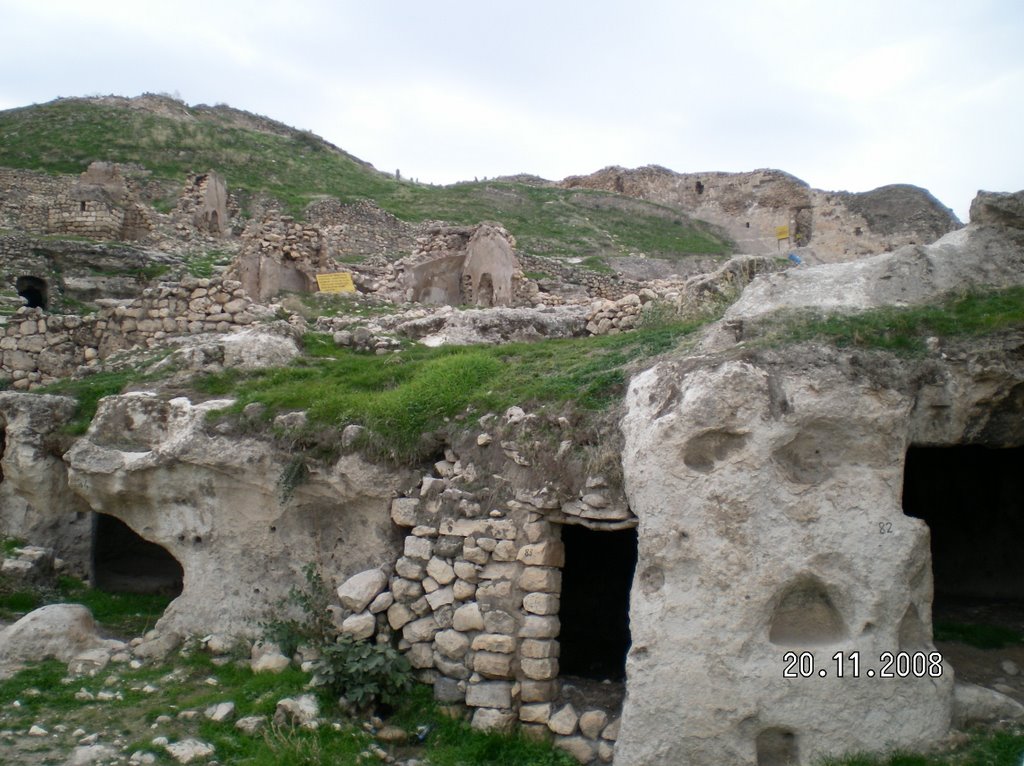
{"points": [[364, 673]]}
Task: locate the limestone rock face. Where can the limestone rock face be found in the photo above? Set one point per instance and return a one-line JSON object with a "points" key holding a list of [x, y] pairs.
{"points": [[57, 631], [247, 349], [759, 492], [214, 502], [761, 478], [497, 325], [975, 257], [36, 502], [999, 208]]}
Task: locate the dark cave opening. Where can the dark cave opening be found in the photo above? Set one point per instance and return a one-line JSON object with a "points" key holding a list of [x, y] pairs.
{"points": [[123, 562], [34, 290], [594, 612], [972, 499]]}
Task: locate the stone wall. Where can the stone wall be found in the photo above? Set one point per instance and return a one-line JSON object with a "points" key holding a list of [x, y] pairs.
{"points": [[101, 204], [25, 198], [475, 596], [279, 254], [592, 284], [37, 348], [360, 229], [454, 265]]}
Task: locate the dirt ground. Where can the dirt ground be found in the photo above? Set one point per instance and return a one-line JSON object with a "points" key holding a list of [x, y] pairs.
{"points": [[986, 667]]}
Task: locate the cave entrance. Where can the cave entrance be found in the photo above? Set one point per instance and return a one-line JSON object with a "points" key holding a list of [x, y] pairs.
{"points": [[122, 562], [594, 611], [972, 499], [34, 290]]}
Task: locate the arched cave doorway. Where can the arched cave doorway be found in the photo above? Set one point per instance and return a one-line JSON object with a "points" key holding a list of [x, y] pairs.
{"points": [[485, 291], [972, 499], [34, 290], [594, 610], [122, 562]]}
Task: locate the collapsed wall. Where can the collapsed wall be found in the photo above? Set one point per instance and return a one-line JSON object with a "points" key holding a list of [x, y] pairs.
{"points": [[752, 207]]}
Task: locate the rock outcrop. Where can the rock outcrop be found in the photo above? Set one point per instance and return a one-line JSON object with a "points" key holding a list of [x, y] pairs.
{"points": [[37, 503], [752, 207], [216, 504], [767, 483]]}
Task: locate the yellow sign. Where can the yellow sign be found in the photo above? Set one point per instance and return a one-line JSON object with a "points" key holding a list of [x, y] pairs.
{"points": [[781, 232], [339, 282]]}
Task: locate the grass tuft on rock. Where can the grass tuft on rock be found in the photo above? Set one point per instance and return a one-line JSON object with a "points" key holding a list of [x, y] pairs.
{"points": [[418, 390], [905, 330]]}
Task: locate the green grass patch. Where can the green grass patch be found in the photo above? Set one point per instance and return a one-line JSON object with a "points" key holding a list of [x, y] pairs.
{"points": [[194, 683], [985, 748], [594, 263], [203, 265], [904, 330], [10, 544], [128, 614], [980, 636], [404, 395], [88, 391], [452, 742]]}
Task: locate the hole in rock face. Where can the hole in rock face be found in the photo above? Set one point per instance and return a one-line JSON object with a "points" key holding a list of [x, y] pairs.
{"points": [[594, 609], [122, 562], [34, 290], [777, 747], [806, 617], [972, 499]]}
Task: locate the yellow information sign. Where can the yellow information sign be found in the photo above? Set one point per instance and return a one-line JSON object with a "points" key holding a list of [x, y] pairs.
{"points": [[781, 232], [338, 282]]}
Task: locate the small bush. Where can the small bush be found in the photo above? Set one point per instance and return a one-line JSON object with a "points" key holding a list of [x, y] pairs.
{"points": [[364, 673]]}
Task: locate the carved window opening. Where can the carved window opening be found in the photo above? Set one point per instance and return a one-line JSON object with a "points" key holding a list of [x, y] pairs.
{"points": [[123, 562], [594, 610], [777, 747]]}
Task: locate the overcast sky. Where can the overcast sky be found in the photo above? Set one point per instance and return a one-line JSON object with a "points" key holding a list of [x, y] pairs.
{"points": [[845, 95]]}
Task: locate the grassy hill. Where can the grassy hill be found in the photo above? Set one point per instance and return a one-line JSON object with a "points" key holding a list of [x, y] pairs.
{"points": [[256, 154]]}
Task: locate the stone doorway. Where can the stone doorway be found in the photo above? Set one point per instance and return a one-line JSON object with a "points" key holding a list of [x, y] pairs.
{"points": [[594, 612], [123, 562], [485, 291], [34, 290], [972, 499]]}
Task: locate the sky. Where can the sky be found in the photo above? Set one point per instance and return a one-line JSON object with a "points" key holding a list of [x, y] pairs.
{"points": [[846, 95]]}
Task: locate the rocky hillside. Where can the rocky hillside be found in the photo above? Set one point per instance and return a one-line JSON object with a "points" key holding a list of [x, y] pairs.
{"points": [[262, 158]]}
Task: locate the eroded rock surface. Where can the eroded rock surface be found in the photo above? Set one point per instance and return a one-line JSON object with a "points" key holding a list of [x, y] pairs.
{"points": [[217, 505], [767, 483]]}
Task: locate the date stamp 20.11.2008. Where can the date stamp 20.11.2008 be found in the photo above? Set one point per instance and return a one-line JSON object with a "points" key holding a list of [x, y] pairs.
{"points": [[850, 665]]}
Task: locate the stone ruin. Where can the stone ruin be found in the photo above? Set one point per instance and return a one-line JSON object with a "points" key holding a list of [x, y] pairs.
{"points": [[209, 197], [461, 265], [278, 254], [822, 226], [101, 205]]}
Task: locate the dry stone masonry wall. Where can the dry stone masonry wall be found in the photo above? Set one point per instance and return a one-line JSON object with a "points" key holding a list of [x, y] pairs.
{"points": [[37, 348]]}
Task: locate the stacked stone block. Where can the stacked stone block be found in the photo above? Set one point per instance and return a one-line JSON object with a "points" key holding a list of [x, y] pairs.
{"points": [[474, 598], [37, 348]]}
